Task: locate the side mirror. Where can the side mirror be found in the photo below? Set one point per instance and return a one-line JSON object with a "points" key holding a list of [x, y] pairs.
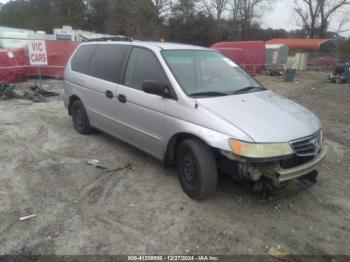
{"points": [[156, 88]]}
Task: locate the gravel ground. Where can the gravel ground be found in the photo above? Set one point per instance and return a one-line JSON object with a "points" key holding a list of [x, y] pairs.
{"points": [[141, 209]]}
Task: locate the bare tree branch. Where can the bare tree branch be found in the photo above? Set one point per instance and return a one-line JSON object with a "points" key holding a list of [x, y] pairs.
{"points": [[315, 15]]}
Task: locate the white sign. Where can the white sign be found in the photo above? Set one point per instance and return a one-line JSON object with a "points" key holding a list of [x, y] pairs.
{"points": [[37, 53]]}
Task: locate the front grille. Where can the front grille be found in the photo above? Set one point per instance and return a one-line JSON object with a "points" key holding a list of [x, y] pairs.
{"points": [[308, 146]]}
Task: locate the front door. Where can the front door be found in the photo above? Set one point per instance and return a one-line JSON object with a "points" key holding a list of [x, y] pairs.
{"points": [[141, 115]]}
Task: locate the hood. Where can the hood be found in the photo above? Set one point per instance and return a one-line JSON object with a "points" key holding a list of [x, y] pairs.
{"points": [[265, 116]]}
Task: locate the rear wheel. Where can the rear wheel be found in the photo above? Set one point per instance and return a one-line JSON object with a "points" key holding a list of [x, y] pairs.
{"points": [[80, 118], [197, 169]]}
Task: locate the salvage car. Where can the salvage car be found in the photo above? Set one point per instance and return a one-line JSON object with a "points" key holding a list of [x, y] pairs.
{"points": [[193, 108]]}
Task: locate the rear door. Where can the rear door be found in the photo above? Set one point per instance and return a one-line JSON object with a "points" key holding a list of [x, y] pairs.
{"points": [[105, 72], [141, 115]]}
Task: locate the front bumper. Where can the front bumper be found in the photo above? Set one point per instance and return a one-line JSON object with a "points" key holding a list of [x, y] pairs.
{"points": [[280, 175]]}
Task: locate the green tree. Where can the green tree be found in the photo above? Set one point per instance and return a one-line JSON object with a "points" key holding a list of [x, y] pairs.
{"points": [[137, 18], [97, 12], [43, 14], [67, 12], [17, 14]]}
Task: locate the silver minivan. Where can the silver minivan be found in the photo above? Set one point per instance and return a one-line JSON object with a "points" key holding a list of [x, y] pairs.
{"points": [[193, 108]]}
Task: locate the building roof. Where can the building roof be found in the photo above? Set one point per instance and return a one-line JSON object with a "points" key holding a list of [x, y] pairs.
{"points": [[5, 29], [309, 44]]}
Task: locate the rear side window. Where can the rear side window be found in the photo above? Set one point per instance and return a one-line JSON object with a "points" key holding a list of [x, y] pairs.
{"points": [[143, 65], [108, 62], [81, 60]]}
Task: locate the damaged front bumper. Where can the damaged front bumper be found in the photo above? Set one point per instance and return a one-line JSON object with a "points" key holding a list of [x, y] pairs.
{"points": [[280, 175], [272, 169]]}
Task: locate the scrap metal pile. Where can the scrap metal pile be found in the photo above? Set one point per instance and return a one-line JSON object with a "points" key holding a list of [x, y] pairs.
{"points": [[341, 74], [34, 93]]}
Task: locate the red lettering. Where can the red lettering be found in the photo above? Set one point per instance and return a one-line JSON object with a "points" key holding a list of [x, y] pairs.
{"points": [[38, 55], [37, 46]]}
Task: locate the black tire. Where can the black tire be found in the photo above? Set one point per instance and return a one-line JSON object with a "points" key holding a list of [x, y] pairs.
{"points": [[196, 168], [80, 118]]}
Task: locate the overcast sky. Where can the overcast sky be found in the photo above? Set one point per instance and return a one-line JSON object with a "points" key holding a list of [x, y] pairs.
{"points": [[279, 15]]}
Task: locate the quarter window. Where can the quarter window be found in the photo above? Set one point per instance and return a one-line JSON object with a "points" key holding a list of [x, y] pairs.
{"points": [[108, 62], [143, 66]]}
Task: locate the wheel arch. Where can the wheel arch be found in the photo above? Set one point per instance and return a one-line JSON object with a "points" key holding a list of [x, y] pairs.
{"points": [[72, 99], [174, 142]]}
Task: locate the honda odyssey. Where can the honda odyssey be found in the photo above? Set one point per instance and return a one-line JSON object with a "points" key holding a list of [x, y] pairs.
{"points": [[193, 108]]}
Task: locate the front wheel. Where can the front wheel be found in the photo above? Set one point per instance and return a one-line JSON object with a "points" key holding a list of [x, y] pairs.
{"points": [[197, 169]]}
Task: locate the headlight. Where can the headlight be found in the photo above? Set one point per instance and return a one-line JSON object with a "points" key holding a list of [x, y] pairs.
{"points": [[253, 150]]}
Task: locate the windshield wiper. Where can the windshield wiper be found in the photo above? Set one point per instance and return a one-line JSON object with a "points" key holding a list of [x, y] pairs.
{"points": [[209, 93], [248, 89]]}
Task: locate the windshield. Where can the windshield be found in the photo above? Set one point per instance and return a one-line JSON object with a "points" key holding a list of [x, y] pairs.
{"points": [[208, 73]]}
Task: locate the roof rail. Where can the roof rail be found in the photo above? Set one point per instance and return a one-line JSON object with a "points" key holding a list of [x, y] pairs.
{"points": [[111, 38]]}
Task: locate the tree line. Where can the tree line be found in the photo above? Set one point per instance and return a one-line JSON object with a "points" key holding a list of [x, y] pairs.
{"points": [[202, 22]]}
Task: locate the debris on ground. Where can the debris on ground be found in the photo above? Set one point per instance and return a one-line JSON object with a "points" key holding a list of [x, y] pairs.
{"points": [[6, 91], [34, 93], [27, 217], [18, 94], [118, 169], [96, 163], [336, 79], [42, 95], [56, 233], [283, 256], [93, 162], [275, 73], [341, 74], [43, 91]]}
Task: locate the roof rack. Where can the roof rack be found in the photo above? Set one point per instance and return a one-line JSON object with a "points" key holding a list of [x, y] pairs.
{"points": [[111, 38]]}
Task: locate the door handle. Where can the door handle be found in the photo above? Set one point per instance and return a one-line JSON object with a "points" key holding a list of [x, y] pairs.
{"points": [[122, 98], [109, 94]]}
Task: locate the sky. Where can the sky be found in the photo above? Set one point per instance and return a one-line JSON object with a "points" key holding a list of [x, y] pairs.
{"points": [[279, 15]]}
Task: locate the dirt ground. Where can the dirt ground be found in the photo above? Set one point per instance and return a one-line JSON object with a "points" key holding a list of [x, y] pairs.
{"points": [[142, 210]]}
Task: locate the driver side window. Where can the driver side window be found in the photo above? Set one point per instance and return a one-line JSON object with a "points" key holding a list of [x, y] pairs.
{"points": [[143, 66]]}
